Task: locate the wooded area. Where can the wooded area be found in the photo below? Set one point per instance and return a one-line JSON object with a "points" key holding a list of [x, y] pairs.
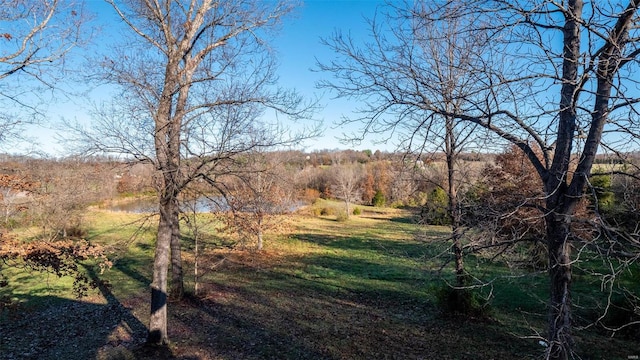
{"points": [[518, 156]]}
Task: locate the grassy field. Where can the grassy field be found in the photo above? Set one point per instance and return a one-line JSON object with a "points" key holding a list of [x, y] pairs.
{"points": [[365, 288]]}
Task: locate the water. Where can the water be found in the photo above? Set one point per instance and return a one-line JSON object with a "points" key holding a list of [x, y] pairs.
{"points": [[150, 205]]}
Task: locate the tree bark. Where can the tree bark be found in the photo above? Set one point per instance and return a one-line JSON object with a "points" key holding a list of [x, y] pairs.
{"points": [[559, 338], [259, 247], [346, 206], [177, 278], [452, 192], [158, 320], [167, 145]]}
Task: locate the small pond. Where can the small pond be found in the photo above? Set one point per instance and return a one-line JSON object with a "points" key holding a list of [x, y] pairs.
{"points": [[150, 205], [203, 204]]}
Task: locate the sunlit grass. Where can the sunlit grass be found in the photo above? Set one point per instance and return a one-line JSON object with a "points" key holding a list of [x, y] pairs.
{"points": [[324, 287]]}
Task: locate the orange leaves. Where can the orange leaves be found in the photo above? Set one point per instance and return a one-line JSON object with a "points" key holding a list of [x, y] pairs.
{"points": [[17, 183]]}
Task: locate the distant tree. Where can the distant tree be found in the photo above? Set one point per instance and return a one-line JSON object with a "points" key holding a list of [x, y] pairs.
{"points": [[258, 200], [15, 195], [316, 178], [64, 190], [381, 171], [420, 61], [346, 184], [435, 211], [367, 186]]}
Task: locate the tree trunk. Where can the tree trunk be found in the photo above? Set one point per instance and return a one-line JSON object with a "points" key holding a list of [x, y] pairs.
{"points": [[259, 247], [196, 255], [454, 207], [177, 278], [559, 338], [456, 233], [346, 205], [456, 230], [158, 320]]}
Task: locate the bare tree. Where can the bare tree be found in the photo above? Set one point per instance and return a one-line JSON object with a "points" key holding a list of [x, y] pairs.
{"points": [[346, 183], [36, 36], [549, 73], [259, 199], [439, 73], [196, 77]]}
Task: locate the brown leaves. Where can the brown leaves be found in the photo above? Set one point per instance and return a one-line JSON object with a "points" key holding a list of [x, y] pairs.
{"points": [[61, 258], [17, 183]]}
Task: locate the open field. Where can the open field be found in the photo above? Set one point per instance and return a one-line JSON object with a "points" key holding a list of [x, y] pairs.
{"points": [[361, 289]]}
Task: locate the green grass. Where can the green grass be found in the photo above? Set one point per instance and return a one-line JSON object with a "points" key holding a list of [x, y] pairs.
{"points": [[360, 289]]}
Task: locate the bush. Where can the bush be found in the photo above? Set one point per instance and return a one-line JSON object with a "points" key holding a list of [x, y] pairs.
{"points": [[75, 231], [379, 199], [357, 211], [417, 200], [605, 198], [434, 212], [327, 211], [310, 196], [342, 216], [465, 302]]}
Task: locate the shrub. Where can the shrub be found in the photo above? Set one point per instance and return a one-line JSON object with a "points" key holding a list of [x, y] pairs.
{"points": [[342, 216], [310, 195], [605, 197], [465, 302], [327, 211], [379, 199], [434, 211], [357, 211], [75, 231], [317, 211]]}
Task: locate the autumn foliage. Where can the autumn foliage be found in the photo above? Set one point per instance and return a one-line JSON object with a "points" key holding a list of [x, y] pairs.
{"points": [[508, 204], [52, 251], [508, 200], [60, 258]]}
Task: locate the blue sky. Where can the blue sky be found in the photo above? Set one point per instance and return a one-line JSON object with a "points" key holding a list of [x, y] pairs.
{"points": [[298, 46]]}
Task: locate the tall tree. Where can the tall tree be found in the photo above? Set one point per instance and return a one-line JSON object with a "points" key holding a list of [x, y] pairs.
{"points": [[551, 72], [196, 77], [416, 68]]}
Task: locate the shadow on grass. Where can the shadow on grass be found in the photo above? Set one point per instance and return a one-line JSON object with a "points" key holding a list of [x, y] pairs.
{"points": [[254, 329], [270, 314], [411, 219], [408, 249], [129, 266], [71, 329]]}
